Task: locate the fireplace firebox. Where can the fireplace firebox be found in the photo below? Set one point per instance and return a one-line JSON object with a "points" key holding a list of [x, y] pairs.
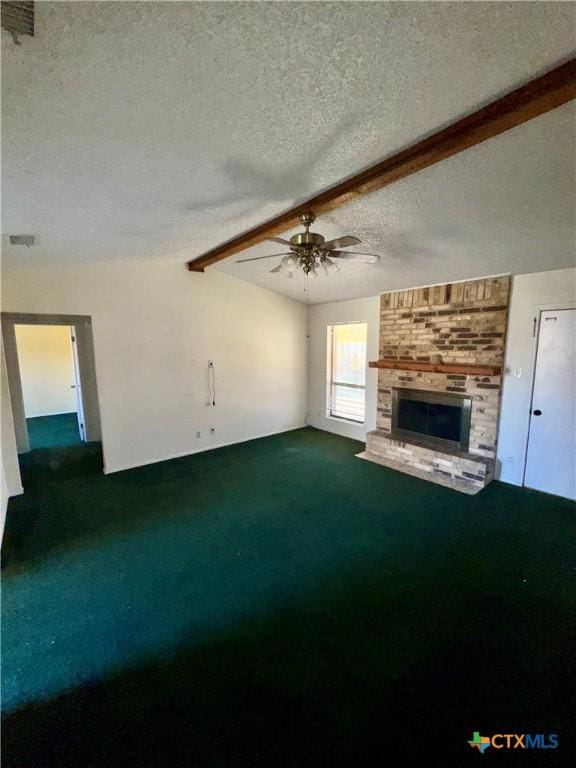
{"points": [[437, 419]]}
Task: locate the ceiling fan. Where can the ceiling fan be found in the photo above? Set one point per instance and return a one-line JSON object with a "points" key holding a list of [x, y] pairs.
{"points": [[309, 251]]}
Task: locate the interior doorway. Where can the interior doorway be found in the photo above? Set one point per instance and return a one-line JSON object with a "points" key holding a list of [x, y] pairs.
{"points": [[52, 380], [551, 454]]}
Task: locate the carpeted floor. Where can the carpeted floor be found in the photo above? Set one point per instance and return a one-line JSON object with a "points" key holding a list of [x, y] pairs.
{"points": [[281, 603], [53, 431]]}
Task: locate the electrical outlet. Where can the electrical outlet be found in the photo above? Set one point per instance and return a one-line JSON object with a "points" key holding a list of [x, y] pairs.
{"points": [[212, 430]]}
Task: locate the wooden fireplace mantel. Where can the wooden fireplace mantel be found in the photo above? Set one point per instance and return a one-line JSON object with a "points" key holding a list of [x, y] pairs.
{"points": [[463, 368]]}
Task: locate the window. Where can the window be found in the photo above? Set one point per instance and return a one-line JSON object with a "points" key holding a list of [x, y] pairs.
{"points": [[347, 371]]}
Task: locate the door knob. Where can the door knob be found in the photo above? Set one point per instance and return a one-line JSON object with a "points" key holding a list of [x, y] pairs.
{"points": [[537, 412]]}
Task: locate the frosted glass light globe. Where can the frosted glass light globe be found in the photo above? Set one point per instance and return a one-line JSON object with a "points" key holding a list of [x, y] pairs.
{"points": [[330, 266], [289, 263]]}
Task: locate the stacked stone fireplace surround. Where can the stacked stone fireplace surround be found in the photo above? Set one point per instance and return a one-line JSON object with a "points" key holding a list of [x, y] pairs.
{"points": [[464, 324]]}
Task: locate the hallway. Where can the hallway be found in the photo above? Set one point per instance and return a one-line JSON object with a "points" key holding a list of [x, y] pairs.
{"points": [[53, 431]]}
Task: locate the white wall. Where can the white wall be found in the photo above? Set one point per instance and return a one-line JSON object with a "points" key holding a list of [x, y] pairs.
{"points": [[155, 328], [320, 317], [46, 369], [530, 294]]}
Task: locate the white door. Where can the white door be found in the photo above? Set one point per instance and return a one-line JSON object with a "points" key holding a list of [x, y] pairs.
{"points": [[551, 457], [77, 386]]}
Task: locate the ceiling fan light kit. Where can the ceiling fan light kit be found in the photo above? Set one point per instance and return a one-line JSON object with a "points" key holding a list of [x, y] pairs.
{"points": [[288, 265], [329, 266], [309, 251]]}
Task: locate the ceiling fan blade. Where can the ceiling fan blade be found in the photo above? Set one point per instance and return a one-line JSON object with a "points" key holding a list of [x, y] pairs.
{"points": [[279, 240], [358, 253], [257, 258], [368, 258], [341, 242]]}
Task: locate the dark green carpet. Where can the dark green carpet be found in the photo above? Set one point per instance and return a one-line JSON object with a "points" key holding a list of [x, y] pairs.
{"points": [[53, 431], [281, 603]]}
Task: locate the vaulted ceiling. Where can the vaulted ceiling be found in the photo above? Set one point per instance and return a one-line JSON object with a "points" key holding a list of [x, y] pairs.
{"points": [[159, 130]]}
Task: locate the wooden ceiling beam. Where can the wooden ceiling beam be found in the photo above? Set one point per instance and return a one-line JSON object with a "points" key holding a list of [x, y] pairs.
{"points": [[535, 98]]}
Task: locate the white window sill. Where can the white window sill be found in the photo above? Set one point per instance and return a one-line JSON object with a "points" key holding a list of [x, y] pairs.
{"points": [[342, 420]]}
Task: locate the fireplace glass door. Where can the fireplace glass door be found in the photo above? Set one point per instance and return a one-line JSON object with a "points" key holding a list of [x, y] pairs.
{"points": [[440, 419]]}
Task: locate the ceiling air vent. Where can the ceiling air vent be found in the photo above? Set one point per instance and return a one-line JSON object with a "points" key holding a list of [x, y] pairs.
{"points": [[26, 240], [18, 18]]}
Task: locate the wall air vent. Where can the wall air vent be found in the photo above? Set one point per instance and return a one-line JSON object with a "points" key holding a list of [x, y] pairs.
{"points": [[18, 18], [26, 240]]}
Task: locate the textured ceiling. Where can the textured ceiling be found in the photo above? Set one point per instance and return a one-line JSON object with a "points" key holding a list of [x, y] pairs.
{"points": [[158, 130], [507, 205]]}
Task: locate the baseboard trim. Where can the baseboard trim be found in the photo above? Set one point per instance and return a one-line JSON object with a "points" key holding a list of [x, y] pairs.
{"points": [[342, 428], [16, 492], [181, 455]]}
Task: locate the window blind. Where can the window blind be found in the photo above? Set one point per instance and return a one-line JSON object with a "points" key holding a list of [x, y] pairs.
{"points": [[347, 371]]}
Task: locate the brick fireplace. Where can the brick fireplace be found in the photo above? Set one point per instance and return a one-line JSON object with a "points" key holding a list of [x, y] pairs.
{"points": [[439, 381]]}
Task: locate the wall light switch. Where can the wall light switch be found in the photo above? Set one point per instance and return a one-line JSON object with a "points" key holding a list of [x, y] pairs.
{"points": [[518, 372]]}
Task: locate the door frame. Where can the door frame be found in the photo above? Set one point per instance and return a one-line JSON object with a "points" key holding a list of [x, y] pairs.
{"points": [[85, 345], [537, 311], [78, 389]]}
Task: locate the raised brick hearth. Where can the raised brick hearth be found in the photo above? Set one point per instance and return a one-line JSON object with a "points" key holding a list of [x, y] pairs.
{"points": [[462, 323]]}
